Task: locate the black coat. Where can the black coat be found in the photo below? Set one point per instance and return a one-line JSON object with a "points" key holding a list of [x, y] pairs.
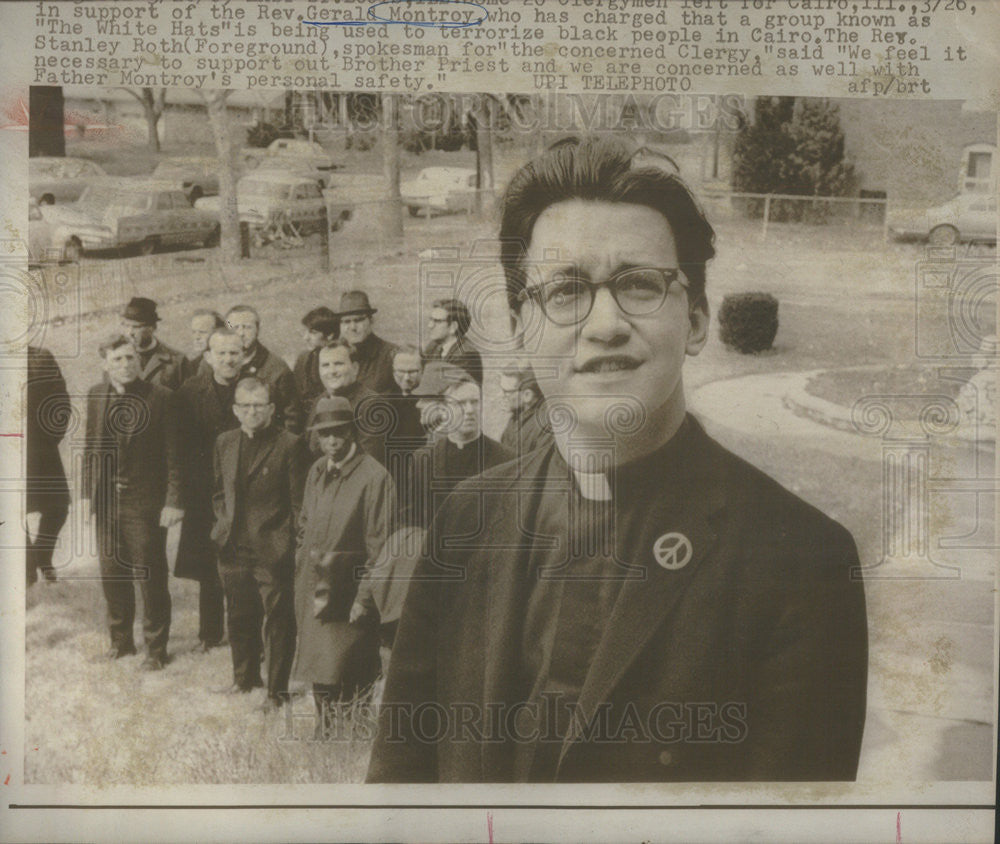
{"points": [[462, 354], [274, 495], [763, 628], [201, 418], [143, 443], [375, 365], [166, 367], [47, 417]]}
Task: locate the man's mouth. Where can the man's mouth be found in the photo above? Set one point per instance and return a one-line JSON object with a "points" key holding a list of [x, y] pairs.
{"points": [[609, 363]]}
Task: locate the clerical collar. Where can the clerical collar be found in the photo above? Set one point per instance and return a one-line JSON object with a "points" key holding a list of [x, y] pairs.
{"points": [[339, 464], [260, 432], [465, 444], [448, 344], [122, 389], [592, 477]]}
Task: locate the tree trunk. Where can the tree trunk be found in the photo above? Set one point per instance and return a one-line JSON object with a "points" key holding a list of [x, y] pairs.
{"points": [[484, 151], [46, 121], [229, 217], [152, 128], [392, 210]]}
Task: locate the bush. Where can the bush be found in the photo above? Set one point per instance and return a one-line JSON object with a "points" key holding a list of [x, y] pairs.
{"points": [[748, 322]]}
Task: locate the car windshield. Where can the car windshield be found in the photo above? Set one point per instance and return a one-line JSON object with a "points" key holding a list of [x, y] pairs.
{"points": [[260, 187], [96, 198], [44, 168]]}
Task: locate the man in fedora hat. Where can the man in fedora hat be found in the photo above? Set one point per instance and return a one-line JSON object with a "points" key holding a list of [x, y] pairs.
{"points": [[158, 363], [343, 525], [259, 470], [374, 354]]}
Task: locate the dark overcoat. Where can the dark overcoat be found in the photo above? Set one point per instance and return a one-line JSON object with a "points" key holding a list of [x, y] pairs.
{"points": [[47, 417], [749, 661], [201, 417], [142, 444], [348, 514], [166, 367]]}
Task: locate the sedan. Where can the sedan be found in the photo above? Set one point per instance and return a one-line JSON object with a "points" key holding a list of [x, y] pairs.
{"points": [[197, 177], [966, 217], [52, 180], [440, 189]]}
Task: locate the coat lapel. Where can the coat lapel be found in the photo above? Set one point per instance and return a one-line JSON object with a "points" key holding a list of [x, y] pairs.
{"points": [[156, 360], [643, 604], [262, 455]]}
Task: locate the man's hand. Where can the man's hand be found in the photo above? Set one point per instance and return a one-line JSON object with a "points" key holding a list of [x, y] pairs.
{"points": [[32, 522], [170, 516], [358, 612]]}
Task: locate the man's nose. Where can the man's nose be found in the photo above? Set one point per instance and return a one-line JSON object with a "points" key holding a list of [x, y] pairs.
{"points": [[605, 322]]}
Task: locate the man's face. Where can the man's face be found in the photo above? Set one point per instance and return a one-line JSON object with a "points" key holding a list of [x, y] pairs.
{"points": [[514, 397], [313, 339], [139, 333], [253, 409], [335, 442], [463, 402], [611, 356], [225, 355], [122, 365], [438, 325], [407, 370], [202, 327], [246, 328], [355, 328], [336, 369]]}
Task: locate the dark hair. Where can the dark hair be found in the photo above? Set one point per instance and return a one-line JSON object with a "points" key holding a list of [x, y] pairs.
{"points": [[323, 320], [216, 316], [609, 170], [457, 313], [522, 372], [112, 342], [252, 384], [244, 309], [341, 343]]}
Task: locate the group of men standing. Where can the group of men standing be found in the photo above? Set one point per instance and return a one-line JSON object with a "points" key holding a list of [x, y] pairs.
{"points": [[220, 443]]}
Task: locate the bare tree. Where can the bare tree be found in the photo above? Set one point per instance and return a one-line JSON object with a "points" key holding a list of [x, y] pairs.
{"points": [[46, 121], [392, 208], [152, 101], [485, 117], [229, 215]]}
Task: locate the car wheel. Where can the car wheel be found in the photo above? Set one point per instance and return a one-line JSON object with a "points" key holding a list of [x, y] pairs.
{"points": [[148, 246], [943, 236], [214, 238], [415, 211], [72, 250], [48, 199], [196, 194]]}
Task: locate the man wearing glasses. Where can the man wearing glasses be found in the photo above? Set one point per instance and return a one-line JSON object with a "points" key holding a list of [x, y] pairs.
{"points": [[633, 602], [259, 474]]}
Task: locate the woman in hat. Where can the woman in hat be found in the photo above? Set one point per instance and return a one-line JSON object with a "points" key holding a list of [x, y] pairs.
{"points": [[343, 524]]}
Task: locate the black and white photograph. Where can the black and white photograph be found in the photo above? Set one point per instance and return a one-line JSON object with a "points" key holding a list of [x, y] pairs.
{"points": [[565, 448]]}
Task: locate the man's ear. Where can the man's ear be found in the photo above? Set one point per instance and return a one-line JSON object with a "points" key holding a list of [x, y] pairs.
{"points": [[698, 330]]}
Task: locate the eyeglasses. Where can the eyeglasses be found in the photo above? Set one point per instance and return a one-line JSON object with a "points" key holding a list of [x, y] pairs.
{"points": [[568, 298], [252, 405]]}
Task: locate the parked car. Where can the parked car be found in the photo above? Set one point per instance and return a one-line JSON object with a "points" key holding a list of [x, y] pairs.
{"points": [[294, 154], [197, 177], [440, 189], [966, 217], [52, 180], [270, 197], [134, 213], [50, 242]]}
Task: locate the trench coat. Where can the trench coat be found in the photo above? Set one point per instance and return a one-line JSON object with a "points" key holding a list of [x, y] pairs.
{"points": [[765, 616], [350, 515]]}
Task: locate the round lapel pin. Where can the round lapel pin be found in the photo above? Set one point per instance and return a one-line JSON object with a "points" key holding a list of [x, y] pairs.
{"points": [[672, 551]]}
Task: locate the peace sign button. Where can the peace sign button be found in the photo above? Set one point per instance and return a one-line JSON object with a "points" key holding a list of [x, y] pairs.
{"points": [[672, 551]]}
